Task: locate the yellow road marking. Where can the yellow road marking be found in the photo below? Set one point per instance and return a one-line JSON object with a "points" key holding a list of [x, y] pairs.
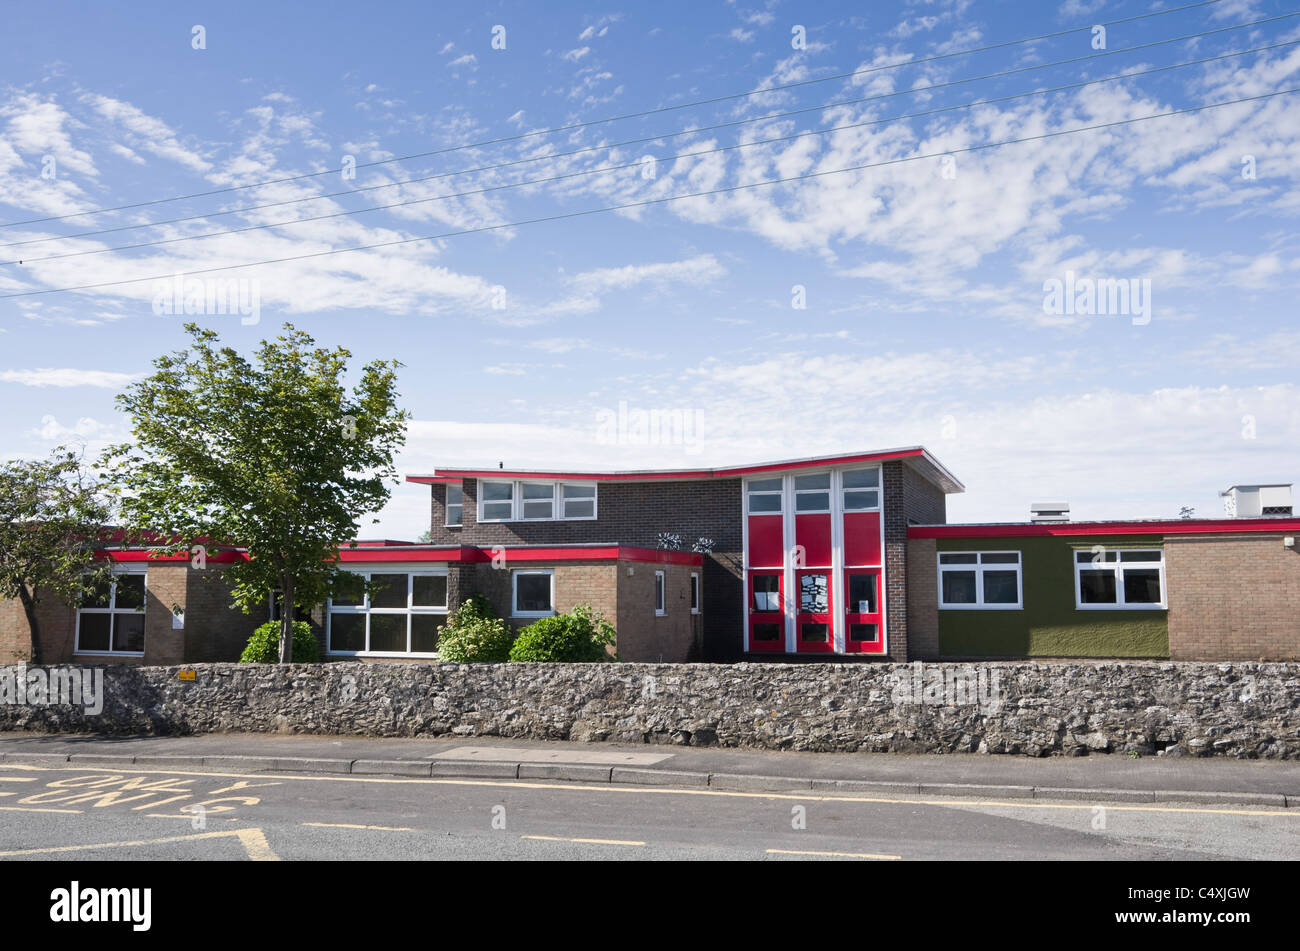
{"points": [[18, 779], [668, 791], [558, 838], [253, 841], [75, 812], [838, 855], [349, 825]]}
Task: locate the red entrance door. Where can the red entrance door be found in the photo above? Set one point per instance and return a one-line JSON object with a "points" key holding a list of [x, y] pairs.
{"points": [[862, 612], [813, 610], [766, 611]]}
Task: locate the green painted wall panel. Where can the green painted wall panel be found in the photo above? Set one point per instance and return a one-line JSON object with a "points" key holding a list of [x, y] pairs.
{"points": [[1050, 625]]}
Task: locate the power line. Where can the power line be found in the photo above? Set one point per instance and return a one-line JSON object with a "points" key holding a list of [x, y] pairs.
{"points": [[654, 201], [637, 141], [619, 118], [641, 162]]}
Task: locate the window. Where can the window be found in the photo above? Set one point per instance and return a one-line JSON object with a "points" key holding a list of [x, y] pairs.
{"points": [[533, 593], [659, 594], [111, 618], [861, 490], [812, 493], [985, 579], [695, 592], [767, 594], [578, 501], [496, 501], [455, 504], [862, 592], [1123, 578], [399, 616], [536, 501], [764, 496]]}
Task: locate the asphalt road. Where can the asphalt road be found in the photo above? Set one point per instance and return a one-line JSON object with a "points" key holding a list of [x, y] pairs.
{"points": [[84, 813]]}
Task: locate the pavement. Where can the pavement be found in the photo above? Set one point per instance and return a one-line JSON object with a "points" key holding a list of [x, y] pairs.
{"points": [[1100, 778]]}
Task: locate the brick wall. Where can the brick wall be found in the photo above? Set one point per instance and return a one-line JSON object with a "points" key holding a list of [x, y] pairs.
{"points": [[922, 599], [909, 500], [1234, 597], [634, 513], [57, 625], [214, 630], [643, 636]]}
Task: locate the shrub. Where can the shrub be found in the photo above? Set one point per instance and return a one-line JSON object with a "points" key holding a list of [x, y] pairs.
{"points": [[579, 637], [475, 635], [264, 646]]}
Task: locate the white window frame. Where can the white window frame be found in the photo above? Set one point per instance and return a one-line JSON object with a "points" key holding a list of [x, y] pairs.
{"points": [[557, 500], [1118, 566], [560, 501], [696, 593], [365, 609], [779, 492], [878, 488], [661, 595], [482, 500], [448, 506], [979, 568], [514, 592], [111, 610], [829, 492]]}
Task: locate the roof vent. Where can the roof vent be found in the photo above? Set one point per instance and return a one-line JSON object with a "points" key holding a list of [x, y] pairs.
{"points": [[1049, 511], [1256, 501]]}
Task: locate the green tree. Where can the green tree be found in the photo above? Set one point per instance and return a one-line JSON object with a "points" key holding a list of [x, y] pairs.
{"points": [[51, 513], [277, 457]]}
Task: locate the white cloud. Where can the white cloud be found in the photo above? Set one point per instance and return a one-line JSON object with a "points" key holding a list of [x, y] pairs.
{"points": [[52, 430], [68, 377], [697, 270], [575, 54]]}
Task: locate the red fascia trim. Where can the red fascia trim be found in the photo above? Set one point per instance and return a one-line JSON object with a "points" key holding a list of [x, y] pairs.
{"points": [[142, 554], [726, 473], [1182, 526], [469, 553], [409, 553]]}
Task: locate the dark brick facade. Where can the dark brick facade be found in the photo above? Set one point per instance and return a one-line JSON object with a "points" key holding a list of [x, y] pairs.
{"points": [[634, 513], [909, 500]]}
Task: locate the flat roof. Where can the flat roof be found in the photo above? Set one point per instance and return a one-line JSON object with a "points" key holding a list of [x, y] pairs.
{"points": [[918, 457], [1150, 526]]}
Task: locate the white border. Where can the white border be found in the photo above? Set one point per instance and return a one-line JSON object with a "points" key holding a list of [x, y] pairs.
{"points": [[979, 568], [135, 569], [514, 592], [557, 501], [366, 570], [1118, 570]]}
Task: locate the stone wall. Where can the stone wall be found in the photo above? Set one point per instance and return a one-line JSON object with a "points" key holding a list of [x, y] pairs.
{"points": [[1244, 710]]}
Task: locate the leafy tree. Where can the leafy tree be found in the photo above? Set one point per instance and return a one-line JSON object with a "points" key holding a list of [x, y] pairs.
{"points": [[276, 457], [51, 513]]}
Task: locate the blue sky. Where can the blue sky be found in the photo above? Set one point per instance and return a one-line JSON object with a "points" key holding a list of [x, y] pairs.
{"points": [[922, 282]]}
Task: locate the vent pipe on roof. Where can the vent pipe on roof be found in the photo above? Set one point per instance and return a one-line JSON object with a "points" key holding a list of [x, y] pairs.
{"points": [[1049, 512]]}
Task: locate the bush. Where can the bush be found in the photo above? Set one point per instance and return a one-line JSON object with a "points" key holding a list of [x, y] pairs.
{"points": [[475, 635], [264, 646], [579, 637]]}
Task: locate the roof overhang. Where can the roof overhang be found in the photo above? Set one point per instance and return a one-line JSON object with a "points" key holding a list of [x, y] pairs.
{"points": [[918, 457]]}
